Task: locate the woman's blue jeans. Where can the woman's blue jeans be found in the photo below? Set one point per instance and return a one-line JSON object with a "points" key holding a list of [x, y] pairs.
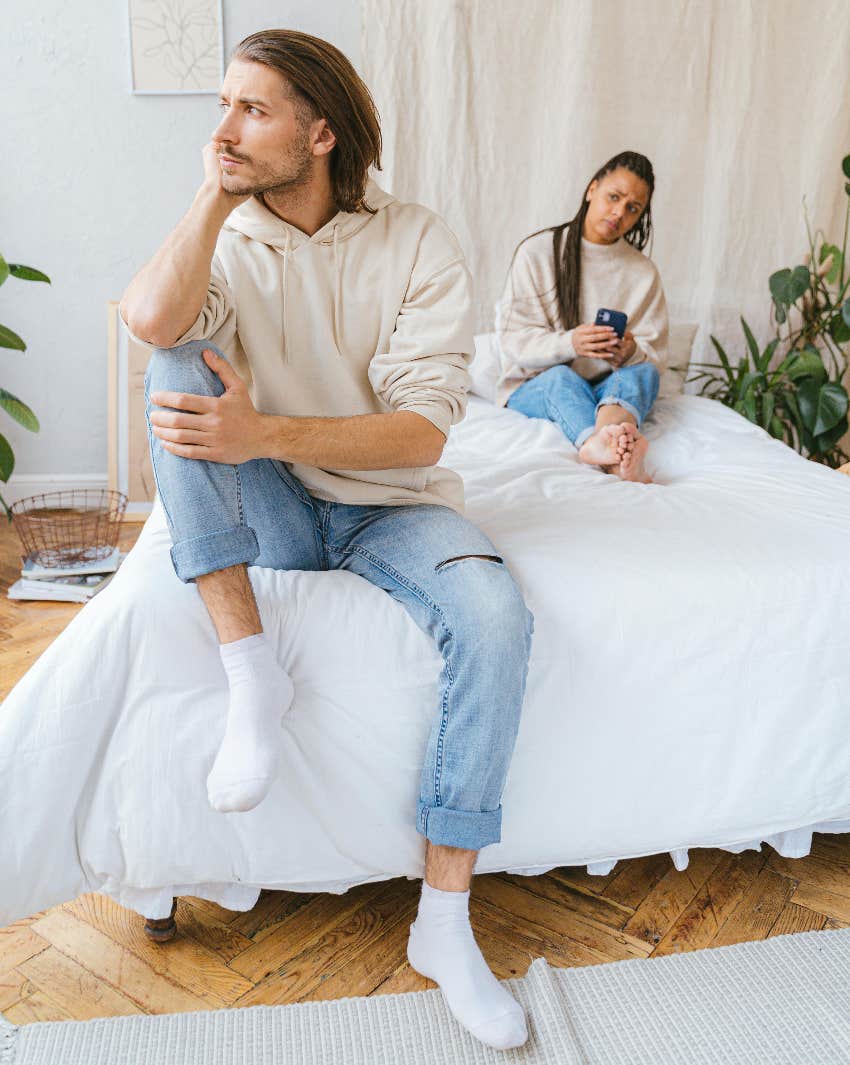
{"points": [[562, 396], [257, 513]]}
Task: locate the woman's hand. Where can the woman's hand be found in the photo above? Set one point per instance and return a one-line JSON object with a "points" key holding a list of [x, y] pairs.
{"points": [[623, 350], [594, 341], [602, 342]]}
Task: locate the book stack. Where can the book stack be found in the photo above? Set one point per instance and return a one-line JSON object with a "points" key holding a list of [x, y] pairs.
{"points": [[75, 583]]}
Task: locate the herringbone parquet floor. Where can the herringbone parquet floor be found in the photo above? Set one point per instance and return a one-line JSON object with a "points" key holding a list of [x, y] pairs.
{"points": [[90, 958]]}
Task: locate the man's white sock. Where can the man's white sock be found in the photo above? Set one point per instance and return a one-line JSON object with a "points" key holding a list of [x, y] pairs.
{"points": [[260, 693], [443, 948]]}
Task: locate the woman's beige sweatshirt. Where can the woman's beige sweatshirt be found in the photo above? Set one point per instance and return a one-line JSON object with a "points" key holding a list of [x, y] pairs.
{"points": [[370, 314], [616, 276]]}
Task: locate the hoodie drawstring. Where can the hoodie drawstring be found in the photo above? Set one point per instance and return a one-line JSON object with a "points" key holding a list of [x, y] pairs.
{"points": [[337, 291], [286, 251]]}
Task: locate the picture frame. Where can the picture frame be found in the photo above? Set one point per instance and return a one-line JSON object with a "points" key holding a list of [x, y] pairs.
{"points": [[129, 464], [176, 47]]}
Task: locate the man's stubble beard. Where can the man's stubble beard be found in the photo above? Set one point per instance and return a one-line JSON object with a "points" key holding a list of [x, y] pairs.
{"points": [[286, 182]]}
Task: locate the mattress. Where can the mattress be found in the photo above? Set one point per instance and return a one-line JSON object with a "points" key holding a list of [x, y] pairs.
{"points": [[689, 686]]}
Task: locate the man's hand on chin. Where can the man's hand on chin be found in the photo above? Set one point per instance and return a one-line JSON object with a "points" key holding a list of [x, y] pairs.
{"points": [[225, 428]]}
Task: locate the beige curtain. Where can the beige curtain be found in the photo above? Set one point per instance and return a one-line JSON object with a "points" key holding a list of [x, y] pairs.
{"points": [[496, 112]]}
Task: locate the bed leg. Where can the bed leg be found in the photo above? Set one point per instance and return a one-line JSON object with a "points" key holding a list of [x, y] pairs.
{"points": [[162, 929]]}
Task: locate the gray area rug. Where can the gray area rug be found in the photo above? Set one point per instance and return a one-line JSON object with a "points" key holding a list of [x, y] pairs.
{"points": [[786, 1000]]}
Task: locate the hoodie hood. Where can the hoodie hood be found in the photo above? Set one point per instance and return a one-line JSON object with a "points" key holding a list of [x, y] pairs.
{"points": [[254, 220]]}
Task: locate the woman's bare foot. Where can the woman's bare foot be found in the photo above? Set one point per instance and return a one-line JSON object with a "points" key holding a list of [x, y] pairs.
{"points": [[631, 465], [608, 446]]}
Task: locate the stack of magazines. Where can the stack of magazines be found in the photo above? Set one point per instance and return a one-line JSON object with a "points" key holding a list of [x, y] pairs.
{"points": [[74, 583]]}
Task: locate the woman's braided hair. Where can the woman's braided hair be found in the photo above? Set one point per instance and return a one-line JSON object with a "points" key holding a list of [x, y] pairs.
{"points": [[566, 238]]}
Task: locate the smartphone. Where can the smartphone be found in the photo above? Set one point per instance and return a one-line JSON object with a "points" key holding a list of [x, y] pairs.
{"points": [[616, 319]]}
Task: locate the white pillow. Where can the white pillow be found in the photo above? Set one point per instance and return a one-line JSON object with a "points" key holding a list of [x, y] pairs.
{"points": [[486, 367], [679, 345]]}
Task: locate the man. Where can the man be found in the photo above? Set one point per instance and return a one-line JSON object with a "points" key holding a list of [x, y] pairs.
{"points": [[307, 436]]}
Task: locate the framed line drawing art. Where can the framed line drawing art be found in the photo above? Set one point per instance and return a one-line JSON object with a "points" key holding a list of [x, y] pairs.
{"points": [[176, 46], [130, 469]]}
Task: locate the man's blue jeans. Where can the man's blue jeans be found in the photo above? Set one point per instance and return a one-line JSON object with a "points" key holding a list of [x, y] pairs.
{"points": [[562, 396], [259, 514]]}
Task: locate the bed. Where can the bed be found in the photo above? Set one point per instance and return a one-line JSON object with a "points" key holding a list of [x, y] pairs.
{"points": [[689, 686]]}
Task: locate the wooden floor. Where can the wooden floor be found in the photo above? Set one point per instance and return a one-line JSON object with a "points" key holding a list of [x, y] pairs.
{"points": [[90, 958]]}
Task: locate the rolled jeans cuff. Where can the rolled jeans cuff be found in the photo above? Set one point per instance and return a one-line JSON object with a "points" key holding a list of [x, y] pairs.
{"points": [[214, 551], [624, 403], [459, 828]]}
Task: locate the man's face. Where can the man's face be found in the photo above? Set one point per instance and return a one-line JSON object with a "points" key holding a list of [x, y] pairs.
{"points": [[261, 142], [615, 204]]}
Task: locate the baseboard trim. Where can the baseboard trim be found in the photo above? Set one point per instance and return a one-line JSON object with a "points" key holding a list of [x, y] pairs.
{"points": [[23, 485]]}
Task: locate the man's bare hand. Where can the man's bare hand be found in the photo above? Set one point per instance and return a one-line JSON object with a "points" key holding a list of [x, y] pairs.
{"points": [[212, 177], [226, 428]]}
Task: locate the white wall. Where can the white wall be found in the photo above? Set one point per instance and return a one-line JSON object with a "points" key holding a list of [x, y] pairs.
{"points": [[92, 181]]}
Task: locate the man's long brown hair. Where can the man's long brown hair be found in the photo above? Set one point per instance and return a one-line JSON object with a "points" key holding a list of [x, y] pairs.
{"points": [[326, 85]]}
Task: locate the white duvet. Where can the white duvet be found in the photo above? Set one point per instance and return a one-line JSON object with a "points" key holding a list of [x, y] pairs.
{"points": [[689, 686]]}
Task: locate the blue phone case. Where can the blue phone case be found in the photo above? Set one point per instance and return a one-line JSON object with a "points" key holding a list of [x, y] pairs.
{"points": [[616, 319]]}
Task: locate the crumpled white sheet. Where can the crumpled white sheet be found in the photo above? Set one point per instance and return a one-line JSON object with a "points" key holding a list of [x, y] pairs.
{"points": [[688, 686]]}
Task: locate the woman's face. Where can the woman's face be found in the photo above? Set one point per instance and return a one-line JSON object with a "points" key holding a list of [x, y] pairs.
{"points": [[616, 202]]}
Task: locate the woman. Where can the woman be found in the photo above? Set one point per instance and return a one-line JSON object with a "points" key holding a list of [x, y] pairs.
{"points": [[556, 362]]}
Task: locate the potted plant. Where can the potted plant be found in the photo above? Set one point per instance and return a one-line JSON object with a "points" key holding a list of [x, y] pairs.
{"points": [[13, 406], [794, 387]]}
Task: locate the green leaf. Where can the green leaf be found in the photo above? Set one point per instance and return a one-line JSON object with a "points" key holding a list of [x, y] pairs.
{"points": [[776, 428], [27, 273], [741, 371], [8, 339], [839, 330], [845, 311], [787, 286], [789, 401], [800, 280], [746, 383], [779, 312], [837, 261], [826, 441], [751, 342], [19, 411], [724, 358], [845, 165], [763, 361], [805, 363], [768, 402], [778, 283], [7, 459], [749, 405], [822, 406], [808, 393], [4, 269]]}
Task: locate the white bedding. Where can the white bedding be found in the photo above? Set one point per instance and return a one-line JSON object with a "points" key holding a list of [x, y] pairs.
{"points": [[689, 686]]}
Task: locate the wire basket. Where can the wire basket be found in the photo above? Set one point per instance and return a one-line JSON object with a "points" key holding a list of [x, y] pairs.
{"points": [[70, 527]]}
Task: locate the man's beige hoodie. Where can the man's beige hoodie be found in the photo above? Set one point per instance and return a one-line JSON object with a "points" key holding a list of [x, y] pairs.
{"points": [[369, 315]]}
